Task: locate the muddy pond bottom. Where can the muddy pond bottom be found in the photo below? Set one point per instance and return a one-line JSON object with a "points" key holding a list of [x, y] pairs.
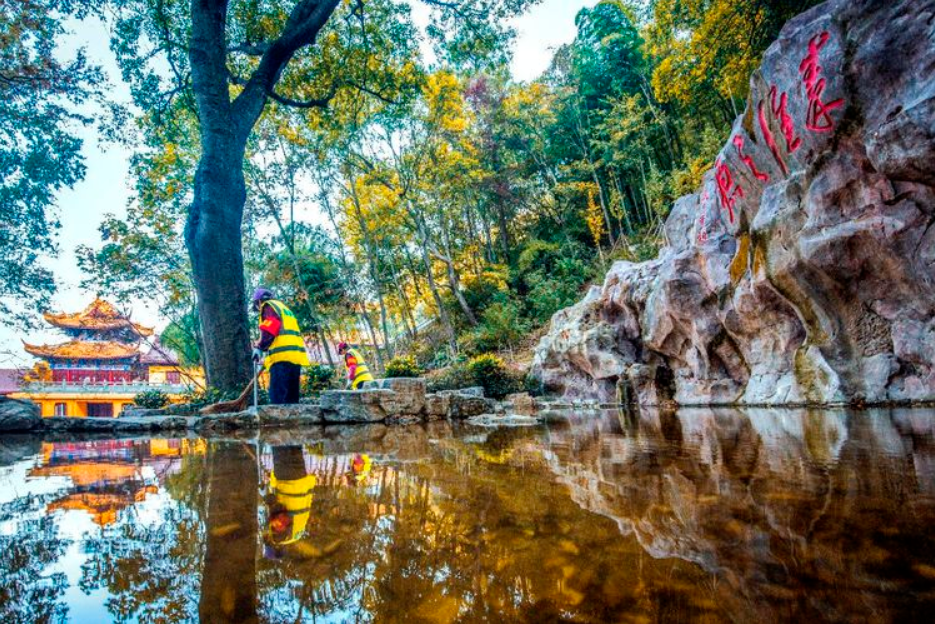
{"points": [[697, 515]]}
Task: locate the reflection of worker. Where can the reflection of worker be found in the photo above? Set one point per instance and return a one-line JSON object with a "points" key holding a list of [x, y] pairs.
{"points": [[289, 502], [360, 468], [281, 337], [357, 371]]}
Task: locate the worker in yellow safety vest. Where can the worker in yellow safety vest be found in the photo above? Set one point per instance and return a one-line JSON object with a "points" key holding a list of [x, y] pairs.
{"points": [[289, 503], [357, 371], [281, 340]]}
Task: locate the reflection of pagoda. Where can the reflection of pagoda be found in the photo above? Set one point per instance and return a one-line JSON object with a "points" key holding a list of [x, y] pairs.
{"points": [[101, 368], [107, 476]]}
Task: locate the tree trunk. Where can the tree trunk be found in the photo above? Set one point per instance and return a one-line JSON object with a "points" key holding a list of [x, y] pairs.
{"points": [[213, 239], [442, 313], [373, 338], [454, 279]]}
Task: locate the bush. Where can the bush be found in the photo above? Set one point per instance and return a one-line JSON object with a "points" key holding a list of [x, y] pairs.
{"points": [[502, 325], [454, 377], [491, 373], [403, 366], [151, 399], [317, 379]]}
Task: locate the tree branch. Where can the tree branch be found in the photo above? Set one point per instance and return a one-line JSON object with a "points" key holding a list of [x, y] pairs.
{"points": [[251, 49], [321, 102], [307, 19]]}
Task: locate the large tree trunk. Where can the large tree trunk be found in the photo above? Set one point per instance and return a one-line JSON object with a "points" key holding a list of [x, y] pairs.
{"points": [[214, 242]]}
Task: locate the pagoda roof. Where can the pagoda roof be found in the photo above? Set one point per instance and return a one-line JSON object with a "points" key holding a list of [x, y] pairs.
{"points": [[84, 350], [160, 354], [100, 315]]}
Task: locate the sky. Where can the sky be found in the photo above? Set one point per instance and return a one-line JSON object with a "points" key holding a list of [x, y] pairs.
{"points": [[106, 187]]}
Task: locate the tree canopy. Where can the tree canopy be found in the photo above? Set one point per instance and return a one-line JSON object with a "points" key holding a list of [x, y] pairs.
{"points": [[431, 207]]}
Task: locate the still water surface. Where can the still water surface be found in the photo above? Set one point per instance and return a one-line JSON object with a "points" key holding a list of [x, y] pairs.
{"points": [[704, 515]]}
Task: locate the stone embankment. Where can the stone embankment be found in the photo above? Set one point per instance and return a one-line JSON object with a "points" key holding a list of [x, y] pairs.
{"points": [[802, 271], [388, 401]]}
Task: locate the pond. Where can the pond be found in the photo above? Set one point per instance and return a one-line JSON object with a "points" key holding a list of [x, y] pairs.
{"points": [[699, 515]]}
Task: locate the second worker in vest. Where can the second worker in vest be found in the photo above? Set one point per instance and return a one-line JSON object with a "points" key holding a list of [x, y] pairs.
{"points": [[281, 338], [357, 371]]}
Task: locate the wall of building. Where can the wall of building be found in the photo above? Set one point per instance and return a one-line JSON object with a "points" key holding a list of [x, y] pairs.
{"points": [[75, 405]]}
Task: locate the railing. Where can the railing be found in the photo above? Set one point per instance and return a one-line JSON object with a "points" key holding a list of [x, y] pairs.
{"points": [[130, 387]]}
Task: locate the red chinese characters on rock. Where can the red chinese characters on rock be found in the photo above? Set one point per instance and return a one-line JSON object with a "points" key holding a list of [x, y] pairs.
{"points": [[818, 117], [748, 160], [778, 107], [728, 191]]}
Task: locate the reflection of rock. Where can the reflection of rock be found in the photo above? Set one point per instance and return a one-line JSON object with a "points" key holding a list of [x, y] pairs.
{"points": [[15, 447], [774, 502], [810, 283], [19, 415]]}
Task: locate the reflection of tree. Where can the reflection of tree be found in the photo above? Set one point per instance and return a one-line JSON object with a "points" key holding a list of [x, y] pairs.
{"points": [[229, 586], [26, 594], [478, 532], [151, 570]]}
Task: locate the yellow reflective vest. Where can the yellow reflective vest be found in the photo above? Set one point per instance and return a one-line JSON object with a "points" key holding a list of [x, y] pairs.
{"points": [[361, 373], [288, 345], [296, 496]]}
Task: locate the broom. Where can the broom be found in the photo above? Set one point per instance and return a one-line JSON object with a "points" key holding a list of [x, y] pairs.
{"points": [[237, 405]]}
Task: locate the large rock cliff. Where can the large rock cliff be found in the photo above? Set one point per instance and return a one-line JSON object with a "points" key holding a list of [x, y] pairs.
{"points": [[803, 270]]}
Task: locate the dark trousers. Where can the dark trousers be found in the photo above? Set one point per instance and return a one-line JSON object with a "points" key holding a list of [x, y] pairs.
{"points": [[284, 383]]}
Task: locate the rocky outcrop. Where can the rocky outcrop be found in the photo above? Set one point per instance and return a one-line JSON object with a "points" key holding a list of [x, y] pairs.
{"points": [[19, 415], [803, 270]]}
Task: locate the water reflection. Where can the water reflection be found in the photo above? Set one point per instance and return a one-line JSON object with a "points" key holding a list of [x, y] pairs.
{"points": [[696, 515]]}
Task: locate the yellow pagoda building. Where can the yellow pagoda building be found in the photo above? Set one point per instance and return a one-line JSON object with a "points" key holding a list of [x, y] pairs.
{"points": [[102, 366]]}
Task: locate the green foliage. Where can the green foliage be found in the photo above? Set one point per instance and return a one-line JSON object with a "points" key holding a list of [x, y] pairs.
{"points": [[502, 326], [453, 377], [491, 373], [182, 337], [403, 366], [553, 276], [42, 88], [317, 379], [151, 399]]}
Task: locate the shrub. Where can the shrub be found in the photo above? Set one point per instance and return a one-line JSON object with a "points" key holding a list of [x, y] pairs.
{"points": [[454, 377], [491, 373], [502, 325], [403, 366], [151, 399], [317, 379]]}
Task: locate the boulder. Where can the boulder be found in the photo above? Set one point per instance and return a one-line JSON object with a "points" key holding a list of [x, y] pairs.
{"points": [[289, 415], [68, 423], [801, 271], [521, 404], [246, 419], [463, 406], [16, 415], [133, 411], [358, 406], [410, 393], [437, 406]]}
